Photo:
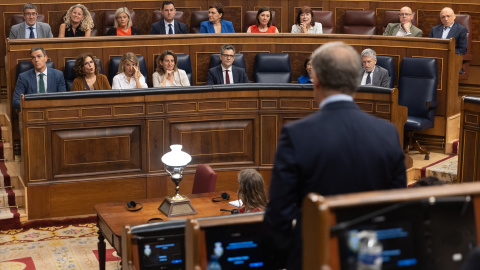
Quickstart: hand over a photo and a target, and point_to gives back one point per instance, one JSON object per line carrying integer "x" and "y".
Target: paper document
{"x": 236, "y": 203}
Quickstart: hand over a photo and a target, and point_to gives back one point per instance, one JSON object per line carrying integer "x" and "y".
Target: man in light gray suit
{"x": 404, "y": 28}
{"x": 371, "y": 73}
{"x": 30, "y": 28}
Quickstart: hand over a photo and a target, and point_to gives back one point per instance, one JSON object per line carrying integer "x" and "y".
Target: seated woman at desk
{"x": 305, "y": 22}
{"x": 168, "y": 74}
{"x": 264, "y": 22}
{"x": 215, "y": 23}
{"x": 129, "y": 75}
{"x": 86, "y": 68}
{"x": 123, "y": 24}
{"x": 77, "y": 22}
{"x": 307, "y": 78}
{"x": 251, "y": 190}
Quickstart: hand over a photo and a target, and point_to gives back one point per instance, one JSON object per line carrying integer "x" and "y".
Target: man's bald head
{"x": 447, "y": 16}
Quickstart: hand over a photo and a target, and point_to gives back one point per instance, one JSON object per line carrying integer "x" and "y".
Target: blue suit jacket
{"x": 215, "y": 75}
{"x": 458, "y": 31}
{"x": 27, "y": 84}
{"x": 207, "y": 27}
{"x": 158, "y": 28}
{"x": 338, "y": 149}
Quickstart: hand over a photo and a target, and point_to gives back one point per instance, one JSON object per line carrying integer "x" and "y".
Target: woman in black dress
{"x": 77, "y": 22}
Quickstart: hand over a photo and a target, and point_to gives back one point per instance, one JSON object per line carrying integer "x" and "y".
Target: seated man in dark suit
{"x": 449, "y": 29}
{"x": 39, "y": 79}
{"x": 338, "y": 149}
{"x": 371, "y": 73}
{"x": 226, "y": 73}
{"x": 168, "y": 25}
{"x": 30, "y": 28}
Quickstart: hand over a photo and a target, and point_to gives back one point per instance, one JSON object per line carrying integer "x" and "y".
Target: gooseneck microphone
{"x": 233, "y": 211}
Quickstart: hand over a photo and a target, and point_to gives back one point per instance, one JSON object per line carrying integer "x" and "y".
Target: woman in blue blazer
{"x": 215, "y": 24}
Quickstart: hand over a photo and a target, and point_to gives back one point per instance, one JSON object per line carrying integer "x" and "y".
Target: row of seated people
{"x": 225, "y": 68}
{"x": 78, "y": 21}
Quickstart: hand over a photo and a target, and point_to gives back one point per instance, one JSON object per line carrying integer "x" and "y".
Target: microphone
{"x": 233, "y": 211}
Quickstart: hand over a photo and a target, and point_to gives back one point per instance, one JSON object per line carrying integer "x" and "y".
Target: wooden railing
{"x": 100, "y": 146}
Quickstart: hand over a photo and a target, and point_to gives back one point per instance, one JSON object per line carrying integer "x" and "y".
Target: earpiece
{"x": 233, "y": 211}
{"x": 225, "y": 196}
{"x": 131, "y": 206}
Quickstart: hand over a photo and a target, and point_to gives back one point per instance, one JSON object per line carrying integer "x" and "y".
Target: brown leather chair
{"x": 109, "y": 20}
{"x": 94, "y": 29}
{"x": 465, "y": 20}
{"x": 326, "y": 19}
{"x": 391, "y": 16}
{"x": 157, "y": 16}
{"x": 251, "y": 19}
{"x": 205, "y": 179}
{"x": 198, "y": 16}
{"x": 360, "y": 22}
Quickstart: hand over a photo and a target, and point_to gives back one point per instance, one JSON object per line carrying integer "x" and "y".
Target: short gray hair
{"x": 34, "y": 49}
{"x": 29, "y": 6}
{"x": 227, "y": 47}
{"x": 336, "y": 65}
{"x": 369, "y": 53}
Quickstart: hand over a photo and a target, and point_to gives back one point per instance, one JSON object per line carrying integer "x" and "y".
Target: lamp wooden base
{"x": 172, "y": 208}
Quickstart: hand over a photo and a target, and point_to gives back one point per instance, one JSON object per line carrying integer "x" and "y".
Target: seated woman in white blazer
{"x": 168, "y": 74}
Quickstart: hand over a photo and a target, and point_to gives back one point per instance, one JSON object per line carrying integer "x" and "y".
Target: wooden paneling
{"x": 230, "y": 128}
{"x": 468, "y": 156}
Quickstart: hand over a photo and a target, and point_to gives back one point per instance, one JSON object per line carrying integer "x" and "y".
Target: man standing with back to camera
{"x": 338, "y": 149}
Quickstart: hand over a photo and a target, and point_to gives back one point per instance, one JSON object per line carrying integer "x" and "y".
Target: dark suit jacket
{"x": 158, "y": 28}
{"x": 380, "y": 77}
{"x": 27, "y": 84}
{"x": 43, "y": 31}
{"x": 207, "y": 27}
{"x": 215, "y": 75}
{"x": 338, "y": 149}
{"x": 458, "y": 31}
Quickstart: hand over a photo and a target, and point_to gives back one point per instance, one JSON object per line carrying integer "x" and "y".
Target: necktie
{"x": 227, "y": 78}
{"x": 369, "y": 79}
{"x": 32, "y": 35}
{"x": 41, "y": 83}
{"x": 170, "y": 30}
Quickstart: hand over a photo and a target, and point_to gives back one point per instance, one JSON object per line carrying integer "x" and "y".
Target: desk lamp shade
{"x": 177, "y": 205}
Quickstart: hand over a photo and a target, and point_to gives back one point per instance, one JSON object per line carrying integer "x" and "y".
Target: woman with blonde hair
{"x": 168, "y": 74}
{"x": 123, "y": 24}
{"x": 77, "y": 22}
{"x": 129, "y": 75}
{"x": 251, "y": 190}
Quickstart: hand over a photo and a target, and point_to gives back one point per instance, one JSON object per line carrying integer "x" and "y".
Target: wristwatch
{"x": 408, "y": 33}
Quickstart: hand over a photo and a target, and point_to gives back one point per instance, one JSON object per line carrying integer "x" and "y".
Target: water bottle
{"x": 369, "y": 251}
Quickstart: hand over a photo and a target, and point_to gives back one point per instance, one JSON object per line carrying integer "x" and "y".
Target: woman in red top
{"x": 264, "y": 22}
{"x": 251, "y": 190}
{"x": 123, "y": 24}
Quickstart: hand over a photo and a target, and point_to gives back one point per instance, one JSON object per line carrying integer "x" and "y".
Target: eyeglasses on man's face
{"x": 228, "y": 55}
{"x": 404, "y": 14}
{"x": 30, "y": 14}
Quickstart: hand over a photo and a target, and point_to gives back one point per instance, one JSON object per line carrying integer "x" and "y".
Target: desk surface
{"x": 116, "y": 216}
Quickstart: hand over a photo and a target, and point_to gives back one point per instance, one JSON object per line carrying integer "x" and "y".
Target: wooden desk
{"x": 112, "y": 217}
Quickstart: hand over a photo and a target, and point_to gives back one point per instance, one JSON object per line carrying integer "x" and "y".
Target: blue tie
{"x": 170, "y": 30}
{"x": 32, "y": 35}
{"x": 369, "y": 79}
